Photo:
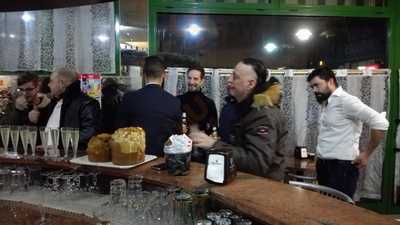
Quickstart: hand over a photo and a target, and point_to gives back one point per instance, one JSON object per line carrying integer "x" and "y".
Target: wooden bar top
{"x": 266, "y": 201}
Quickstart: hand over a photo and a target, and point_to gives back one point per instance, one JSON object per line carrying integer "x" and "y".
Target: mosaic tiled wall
{"x": 80, "y": 37}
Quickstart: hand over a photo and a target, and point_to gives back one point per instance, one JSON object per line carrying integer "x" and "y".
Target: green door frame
{"x": 278, "y": 7}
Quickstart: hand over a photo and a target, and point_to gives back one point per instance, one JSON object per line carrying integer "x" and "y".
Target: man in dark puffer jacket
{"x": 258, "y": 136}
{"x": 71, "y": 107}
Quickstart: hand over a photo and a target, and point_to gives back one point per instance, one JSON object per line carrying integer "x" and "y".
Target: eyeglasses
{"x": 26, "y": 89}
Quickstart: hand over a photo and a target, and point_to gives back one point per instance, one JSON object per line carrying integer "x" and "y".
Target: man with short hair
{"x": 155, "y": 110}
{"x": 71, "y": 107}
{"x": 200, "y": 110}
{"x": 258, "y": 137}
{"x": 30, "y": 105}
{"x": 340, "y": 125}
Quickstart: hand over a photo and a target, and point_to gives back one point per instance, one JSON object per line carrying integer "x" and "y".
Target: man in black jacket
{"x": 155, "y": 110}
{"x": 200, "y": 109}
{"x": 70, "y": 107}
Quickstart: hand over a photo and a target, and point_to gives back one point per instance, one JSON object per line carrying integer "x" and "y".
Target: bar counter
{"x": 264, "y": 200}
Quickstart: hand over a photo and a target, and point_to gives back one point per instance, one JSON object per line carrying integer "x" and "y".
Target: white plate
{"x": 85, "y": 161}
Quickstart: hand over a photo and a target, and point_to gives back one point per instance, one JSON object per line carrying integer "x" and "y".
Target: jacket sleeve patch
{"x": 262, "y": 131}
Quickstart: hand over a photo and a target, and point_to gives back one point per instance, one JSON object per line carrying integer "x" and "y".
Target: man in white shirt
{"x": 340, "y": 125}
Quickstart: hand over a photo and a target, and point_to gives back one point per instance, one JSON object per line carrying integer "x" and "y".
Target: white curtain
{"x": 80, "y": 37}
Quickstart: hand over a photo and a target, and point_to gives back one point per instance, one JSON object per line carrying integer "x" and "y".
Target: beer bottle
{"x": 214, "y": 133}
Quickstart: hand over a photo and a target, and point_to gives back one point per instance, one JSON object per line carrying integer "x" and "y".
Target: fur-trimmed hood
{"x": 268, "y": 98}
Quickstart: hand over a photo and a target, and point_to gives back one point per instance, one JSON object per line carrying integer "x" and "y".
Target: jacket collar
{"x": 268, "y": 98}
{"x": 72, "y": 92}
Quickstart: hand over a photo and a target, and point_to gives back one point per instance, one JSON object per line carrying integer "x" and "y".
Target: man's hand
{"x": 361, "y": 161}
{"x": 3, "y": 103}
{"x": 21, "y": 103}
{"x": 202, "y": 140}
{"x": 34, "y": 115}
{"x": 44, "y": 100}
{"x": 376, "y": 137}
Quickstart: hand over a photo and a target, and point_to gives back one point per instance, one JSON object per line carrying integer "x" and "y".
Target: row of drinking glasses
{"x": 224, "y": 217}
{"x": 62, "y": 184}
{"x": 129, "y": 204}
{"x": 14, "y": 179}
{"x": 48, "y": 136}
{"x": 28, "y": 135}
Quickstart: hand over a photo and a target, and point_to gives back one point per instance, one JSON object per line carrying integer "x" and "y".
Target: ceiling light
{"x": 12, "y": 35}
{"x": 303, "y": 34}
{"x": 194, "y": 29}
{"x": 27, "y": 17}
{"x": 270, "y": 47}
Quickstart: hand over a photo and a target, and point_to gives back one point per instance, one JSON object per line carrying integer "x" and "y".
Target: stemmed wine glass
{"x": 75, "y": 140}
{"x": 65, "y": 138}
{"x": 14, "y": 131}
{"x": 55, "y": 138}
{"x": 24, "y": 133}
{"x": 5, "y": 137}
{"x": 44, "y": 137}
{"x": 32, "y": 140}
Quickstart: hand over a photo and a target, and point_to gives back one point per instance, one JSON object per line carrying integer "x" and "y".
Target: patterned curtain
{"x": 80, "y": 37}
{"x": 302, "y": 110}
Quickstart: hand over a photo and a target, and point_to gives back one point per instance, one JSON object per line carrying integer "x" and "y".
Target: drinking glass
{"x": 184, "y": 208}
{"x": 117, "y": 191}
{"x": 24, "y": 133}
{"x": 18, "y": 180}
{"x": 44, "y": 137}
{"x": 244, "y": 222}
{"x": 55, "y": 138}
{"x": 14, "y": 131}
{"x": 235, "y": 218}
{"x": 203, "y": 222}
{"x": 223, "y": 221}
{"x": 92, "y": 185}
{"x": 5, "y": 136}
{"x": 213, "y": 216}
{"x": 65, "y": 138}
{"x": 33, "y": 139}
{"x": 75, "y": 140}
{"x": 226, "y": 213}
{"x": 200, "y": 202}
{"x": 3, "y": 179}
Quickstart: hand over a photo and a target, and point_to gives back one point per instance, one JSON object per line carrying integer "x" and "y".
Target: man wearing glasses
{"x": 29, "y": 104}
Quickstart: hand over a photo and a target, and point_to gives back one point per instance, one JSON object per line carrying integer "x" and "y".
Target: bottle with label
{"x": 185, "y": 128}
{"x": 301, "y": 152}
{"x": 220, "y": 167}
